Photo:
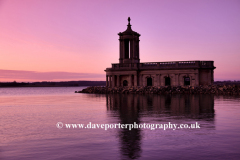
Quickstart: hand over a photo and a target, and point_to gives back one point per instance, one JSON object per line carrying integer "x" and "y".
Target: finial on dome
{"x": 129, "y": 19}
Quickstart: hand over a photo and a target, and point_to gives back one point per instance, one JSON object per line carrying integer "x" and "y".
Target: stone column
{"x": 113, "y": 81}
{"x": 155, "y": 80}
{"x": 140, "y": 80}
{"x": 120, "y": 52}
{"x": 159, "y": 80}
{"x": 110, "y": 81}
{"x": 118, "y": 81}
{"x": 121, "y": 55}
{"x": 133, "y": 50}
{"x": 191, "y": 82}
{"x": 196, "y": 79}
{"x": 181, "y": 81}
{"x": 212, "y": 76}
{"x": 130, "y": 81}
{"x": 144, "y": 81}
{"x": 135, "y": 80}
{"x": 209, "y": 77}
{"x": 177, "y": 81}
{"x": 130, "y": 49}
{"x": 106, "y": 81}
{"x": 162, "y": 80}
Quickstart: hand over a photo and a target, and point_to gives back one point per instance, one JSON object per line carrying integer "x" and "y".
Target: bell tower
{"x": 129, "y": 45}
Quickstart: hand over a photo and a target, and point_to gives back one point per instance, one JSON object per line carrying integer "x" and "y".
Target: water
{"x": 28, "y": 129}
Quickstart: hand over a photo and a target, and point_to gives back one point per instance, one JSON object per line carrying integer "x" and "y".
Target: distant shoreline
{"x": 79, "y": 84}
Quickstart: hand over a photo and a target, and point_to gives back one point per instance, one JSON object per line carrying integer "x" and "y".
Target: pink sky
{"x": 74, "y": 38}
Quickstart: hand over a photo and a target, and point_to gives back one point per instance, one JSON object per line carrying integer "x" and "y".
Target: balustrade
{"x": 162, "y": 65}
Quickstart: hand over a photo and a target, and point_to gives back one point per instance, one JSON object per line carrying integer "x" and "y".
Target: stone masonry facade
{"x": 130, "y": 72}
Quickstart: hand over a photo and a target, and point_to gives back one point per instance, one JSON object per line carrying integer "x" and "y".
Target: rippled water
{"x": 28, "y": 129}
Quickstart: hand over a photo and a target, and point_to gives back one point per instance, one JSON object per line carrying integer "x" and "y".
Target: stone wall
{"x": 139, "y": 78}
{"x": 210, "y": 89}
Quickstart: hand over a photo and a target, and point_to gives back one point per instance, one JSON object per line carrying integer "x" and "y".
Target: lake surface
{"x": 29, "y": 116}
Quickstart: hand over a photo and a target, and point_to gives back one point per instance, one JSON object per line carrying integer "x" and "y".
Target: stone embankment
{"x": 211, "y": 89}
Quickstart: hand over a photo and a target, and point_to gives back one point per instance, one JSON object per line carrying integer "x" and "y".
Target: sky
{"x": 61, "y": 40}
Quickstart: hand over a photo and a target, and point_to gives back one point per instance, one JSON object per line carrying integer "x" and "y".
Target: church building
{"x": 130, "y": 72}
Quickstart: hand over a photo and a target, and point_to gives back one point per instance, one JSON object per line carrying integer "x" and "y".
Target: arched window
{"x": 186, "y": 81}
{"x": 149, "y": 81}
{"x": 167, "y": 81}
{"x": 125, "y": 83}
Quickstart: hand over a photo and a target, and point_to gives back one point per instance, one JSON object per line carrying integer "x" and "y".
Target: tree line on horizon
{"x": 52, "y": 84}
{"x": 79, "y": 83}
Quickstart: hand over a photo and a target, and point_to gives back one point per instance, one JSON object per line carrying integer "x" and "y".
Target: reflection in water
{"x": 131, "y": 108}
{"x": 128, "y": 108}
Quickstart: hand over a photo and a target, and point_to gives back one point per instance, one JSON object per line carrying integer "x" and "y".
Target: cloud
{"x": 21, "y": 75}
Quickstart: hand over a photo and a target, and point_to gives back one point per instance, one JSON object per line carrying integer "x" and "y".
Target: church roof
{"x": 129, "y": 30}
